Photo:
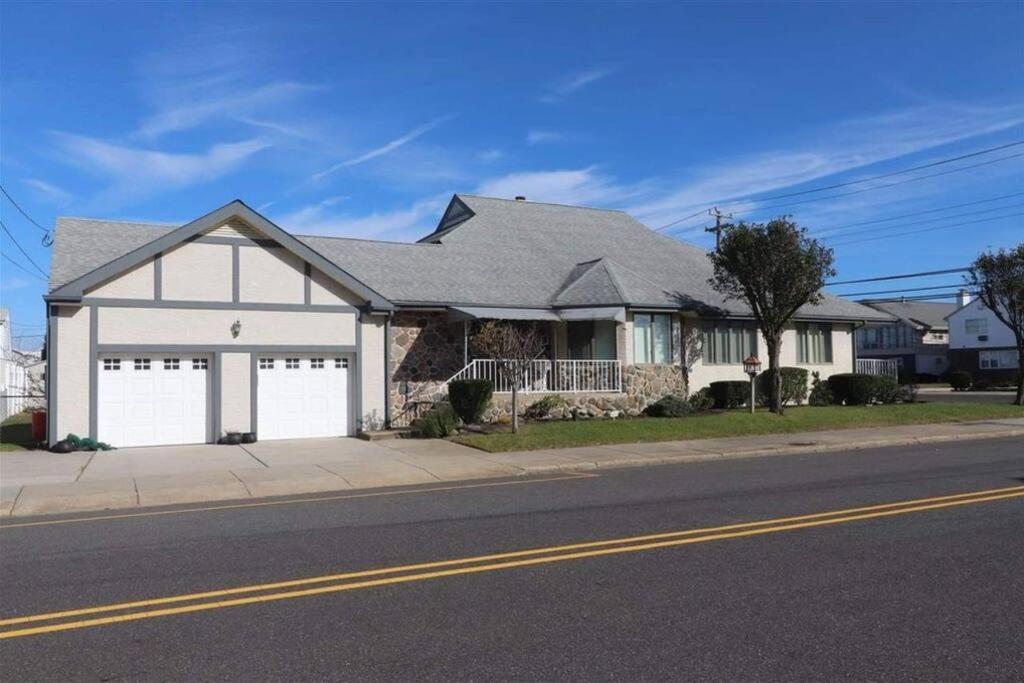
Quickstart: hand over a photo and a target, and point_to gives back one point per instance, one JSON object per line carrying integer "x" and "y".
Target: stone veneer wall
{"x": 425, "y": 350}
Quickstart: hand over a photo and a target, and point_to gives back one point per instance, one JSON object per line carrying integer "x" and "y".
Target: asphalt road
{"x": 928, "y": 591}
{"x": 950, "y": 396}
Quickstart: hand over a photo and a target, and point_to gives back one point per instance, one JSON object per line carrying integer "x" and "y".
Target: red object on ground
{"x": 39, "y": 425}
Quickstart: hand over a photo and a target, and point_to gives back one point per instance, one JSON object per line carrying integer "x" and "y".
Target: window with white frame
{"x": 291, "y": 363}
{"x": 142, "y": 363}
{"x": 976, "y": 326}
{"x": 266, "y": 363}
{"x": 998, "y": 359}
{"x": 172, "y": 363}
{"x": 728, "y": 341}
{"x": 200, "y": 363}
{"x": 316, "y": 363}
{"x": 813, "y": 343}
{"x": 652, "y": 338}
{"x": 111, "y": 363}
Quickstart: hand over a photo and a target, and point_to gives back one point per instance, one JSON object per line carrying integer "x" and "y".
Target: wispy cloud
{"x": 583, "y": 186}
{"x": 135, "y": 172}
{"x": 489, "y": 155}
{"x": 406, "y": 223}
{"x": 539, "y": 137}
{"x": 49, "y": 192}
{"x": 572, "y": 83}
{"x": 383, "y": 149}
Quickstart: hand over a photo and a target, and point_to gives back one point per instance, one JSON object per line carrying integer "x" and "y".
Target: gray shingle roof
{"x": 917, "y": 313}
{"x": 508, "y": 253}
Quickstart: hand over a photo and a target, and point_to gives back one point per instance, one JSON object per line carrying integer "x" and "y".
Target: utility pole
{"x": 719, "y": 226}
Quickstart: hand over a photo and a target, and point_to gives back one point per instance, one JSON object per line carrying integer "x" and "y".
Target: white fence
{"x": 549, "y": 376}
{"x": 874, "y": 366}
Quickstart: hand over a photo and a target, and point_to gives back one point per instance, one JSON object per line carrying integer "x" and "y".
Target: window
{"x": 997, "y": 360}
{"x": 111, "y": 363}
{"x": 976, "y": 326}
{"x": 142, "y": 364}
{"x": 316, "y": 363}
{"x": 591, "y": 339}
{"x": 814, "y": 343}
{"x": 266, "y": 363}
{"x": 200, "y": 363}
{"x": 729, "y": 341}
{"x": 652, "y": 338}
{"x": 172, "y": 363}
{"x": 341, "y": 362}
{"x": 291, "y": 363}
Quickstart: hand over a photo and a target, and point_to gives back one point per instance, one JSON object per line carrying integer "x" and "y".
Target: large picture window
{"x": 997, "y": 360}
{"x": 729, "y": 341}
{"x": 813, "y": 343}
{"x": 652, "y": 338}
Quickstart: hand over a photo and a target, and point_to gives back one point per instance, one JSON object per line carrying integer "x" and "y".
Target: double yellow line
{"x": 336, "y": 583}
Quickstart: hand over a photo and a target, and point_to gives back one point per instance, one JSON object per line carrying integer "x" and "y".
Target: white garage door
{"x": 301, "y": 396}
{"x": 155, "y": 399}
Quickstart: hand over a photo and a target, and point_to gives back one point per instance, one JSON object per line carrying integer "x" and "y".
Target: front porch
{"x": 550, "y": 376}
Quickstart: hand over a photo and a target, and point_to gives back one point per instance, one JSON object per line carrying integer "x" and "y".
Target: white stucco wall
{"x": 72, "y": 371}
{"x": 325, "y": 291}
{"x": 273, "y": 276}
{"x": 199, "y": 326}
{"x": 136, "y": 283}
{"x": 373, "y": 381}
{"x": 197, "y": 272}
{"x": 236, "y": 376}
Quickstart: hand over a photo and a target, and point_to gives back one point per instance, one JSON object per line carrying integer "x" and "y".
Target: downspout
{"x": 387, "y": 370}
{"x": 853, "y": 341}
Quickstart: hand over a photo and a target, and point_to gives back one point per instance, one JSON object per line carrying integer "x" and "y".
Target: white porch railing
{"x": 876, "y": 366}
{"x": 550, "y": 376}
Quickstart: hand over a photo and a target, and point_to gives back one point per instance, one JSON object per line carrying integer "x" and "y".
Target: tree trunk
{"x": 515, "y": 408}
{"x": 1020, "y": 371}
{"x": 775, "y": 372}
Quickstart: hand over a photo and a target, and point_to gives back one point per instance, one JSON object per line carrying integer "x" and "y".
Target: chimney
{"x": 963, "y": 298}
{"x": 520, "y": 198}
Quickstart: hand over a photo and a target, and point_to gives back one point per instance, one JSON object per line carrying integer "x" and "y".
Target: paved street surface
{"x": 921, "y": 590}
{"x": 947, "y": 395}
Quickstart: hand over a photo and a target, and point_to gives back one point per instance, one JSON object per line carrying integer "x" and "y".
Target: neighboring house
{"x": 162, "y": 334}
{"x": 981, "y": 344}
{"x": 918, "y": 339}
{"x": 13, "y": 373}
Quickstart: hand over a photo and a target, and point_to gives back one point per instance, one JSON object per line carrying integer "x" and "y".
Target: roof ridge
{"x": 632, "y": 272}
{"x": 528, "y": 201}
{"x": 366, "y": 239}
{"x": 155, "y": 224}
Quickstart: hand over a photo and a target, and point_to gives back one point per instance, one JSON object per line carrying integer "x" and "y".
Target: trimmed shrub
{"x": 470, "y": 398}
{"x": 794, "y": 386}
{"x": 668, "y": 406}
{"x": 729, "y": 394}
{"x": 909, "y": 393}
{"x": 439, "y": 422}
{"x": 960, "y": 380}
{"x": 700, "y": 400}
{"x": 542, "y": 408}
{"x": 820, "y": 395}
{"x": 853, "y": 388}
{"x": 888, "y": 390}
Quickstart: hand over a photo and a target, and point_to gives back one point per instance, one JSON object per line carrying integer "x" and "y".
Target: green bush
{"x": 960, "y": 380}
{"x": 888, "y": 390}
{"x": 729, "y": 394}
{"x": 853, "y": 388}
{"x": 668, "y": 406}
{"x": 794, "y": 386}
{"x": 700, "y": 400}
{"x": 439, "y": 422}
{"x": 820, "y": 395}
{"x": 470, "y": 398}
{"x": 541, "y": 409}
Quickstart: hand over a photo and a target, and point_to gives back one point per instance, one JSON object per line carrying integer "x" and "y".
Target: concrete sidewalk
{"x": 38, "y": 482}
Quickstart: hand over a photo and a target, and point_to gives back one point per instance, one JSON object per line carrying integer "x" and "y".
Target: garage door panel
{"x": 300, "y": 396}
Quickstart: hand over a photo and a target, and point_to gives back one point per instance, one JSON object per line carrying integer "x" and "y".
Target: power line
{"x": 923, "y": 297}
{"x": 895, "y": 291}
{"x": 680, "y": 220}
{"x": 919, "y": 213}
{"x": 23, "y": 268}
{"x": 926, "y": 220}
{"x": 916, "y": 232}
{"x": 899, "y": 277}
{"x": 25, "y": 253}
{"x": 23, "y": 212}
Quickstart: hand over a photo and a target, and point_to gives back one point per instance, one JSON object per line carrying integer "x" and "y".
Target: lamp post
{"x": 752, "y": 366}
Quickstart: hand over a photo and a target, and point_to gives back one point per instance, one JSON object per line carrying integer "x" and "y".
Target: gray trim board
{"x": 217, "y": 417}
{"x": 94, "y": 327}
{"x": 307, "y": 291}
{"x": 236, "y": 208}
{"x": 226, "y": 348}
{"x": 358, "y": 397}
{"x": 253, "y": 395}
{"x": 235, "y": 274}
{"x": 235, "y": 241}
{"x": 51, "y": 374}
{"x": 387, "y": 372}
{"x": 158, "y": 276}
{"x": 218, "y": 305}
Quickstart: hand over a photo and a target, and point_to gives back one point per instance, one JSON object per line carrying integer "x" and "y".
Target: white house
{"x": 162, "y": 334}
{"x": 13, "y": 371}
{"x": 981, "y": 344}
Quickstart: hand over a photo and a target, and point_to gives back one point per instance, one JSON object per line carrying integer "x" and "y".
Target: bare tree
{"x": 693, "y": 348}
{"x": 998, "y": 279}
{"x": 776, "y": 269}
{"x": 513, "y": 348}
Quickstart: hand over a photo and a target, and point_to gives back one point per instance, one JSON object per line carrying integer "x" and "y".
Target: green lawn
{"x": 537, "y": 435}
{"x": 16, "y": 433}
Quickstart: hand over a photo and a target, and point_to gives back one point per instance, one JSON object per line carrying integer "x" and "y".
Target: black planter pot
{"x": 248, "y": 437}
{"x": 230, "y": 439}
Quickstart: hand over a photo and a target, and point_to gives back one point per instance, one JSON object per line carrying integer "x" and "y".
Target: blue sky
{"x": 361, "y": 120}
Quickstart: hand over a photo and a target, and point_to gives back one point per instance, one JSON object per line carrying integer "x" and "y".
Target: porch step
{"x": 385, "y": 434}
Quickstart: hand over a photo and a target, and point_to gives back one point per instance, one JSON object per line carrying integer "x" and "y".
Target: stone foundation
{"x": 425, "y": 350}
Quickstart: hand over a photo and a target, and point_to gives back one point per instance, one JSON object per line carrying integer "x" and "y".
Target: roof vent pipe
{"x": 520, "y": 198}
